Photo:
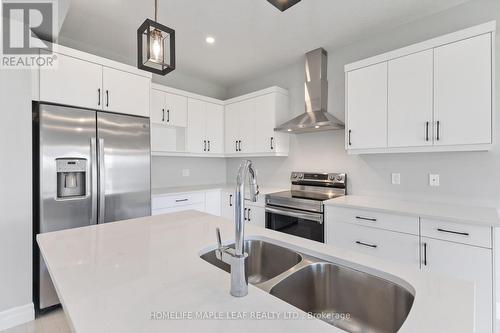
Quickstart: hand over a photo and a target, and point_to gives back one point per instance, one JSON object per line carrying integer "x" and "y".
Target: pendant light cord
{"x": 156, "y": 10}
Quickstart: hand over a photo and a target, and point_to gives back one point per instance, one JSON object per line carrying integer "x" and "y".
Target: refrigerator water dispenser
{"x": 71, "y": 177}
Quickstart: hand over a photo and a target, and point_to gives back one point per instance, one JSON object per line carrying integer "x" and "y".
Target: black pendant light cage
{"x": 145, "y": 60}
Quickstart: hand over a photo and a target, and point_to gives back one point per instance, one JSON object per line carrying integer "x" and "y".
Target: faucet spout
{"x": 237, "y": 257}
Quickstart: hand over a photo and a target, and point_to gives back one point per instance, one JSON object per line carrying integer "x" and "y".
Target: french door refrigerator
{"x": 89, "y": 167}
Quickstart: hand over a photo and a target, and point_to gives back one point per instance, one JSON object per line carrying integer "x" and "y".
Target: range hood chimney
{"x": 316, "y": 118}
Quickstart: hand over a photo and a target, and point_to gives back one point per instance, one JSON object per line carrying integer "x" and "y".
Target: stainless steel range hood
{"x": 316, "y": 118}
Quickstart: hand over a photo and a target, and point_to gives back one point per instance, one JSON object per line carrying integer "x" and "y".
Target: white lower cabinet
{"x": 461, "y": 251}
{"x": 208, "y": 202}
{"x": 469, "y": 263}
{"x": 227, "y": 204}
{"x": 403, "y": 248}
{"x": 212, "y": 202}
{"x": 256, "y": 215}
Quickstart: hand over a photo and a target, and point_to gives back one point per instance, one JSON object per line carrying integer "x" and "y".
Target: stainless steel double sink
{"x": 347, "y": 298}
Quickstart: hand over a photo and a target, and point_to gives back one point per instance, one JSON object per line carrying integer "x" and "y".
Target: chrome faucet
{"x": 236, "y": 257}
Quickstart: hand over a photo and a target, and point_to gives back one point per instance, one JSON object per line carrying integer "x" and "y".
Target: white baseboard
{"x": 17, "y": 316}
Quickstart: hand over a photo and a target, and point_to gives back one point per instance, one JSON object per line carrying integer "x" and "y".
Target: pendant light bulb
{"x": 156, "y": 46}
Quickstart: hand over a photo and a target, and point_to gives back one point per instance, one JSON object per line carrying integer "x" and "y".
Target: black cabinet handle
{"x": 425, "y": 254}
{"x": 438, "y": 130}
{"x": 272, "y": 145}
{"x": 99, "y": 96}
{"x": 426, "y": 131}
{"x": 208, "y": 145}
{"x": 349, "y": 138}
{"x": 204, "y": 145}
{"x": 371, "y": 219}
{"x": 453, "y": 232}
{"x": 248, "y": 215}
{"x": 168, "y": 115}
{"x": 239, "y": 145}
{"x": 373, "y": 246}
{"x": 107, "y": 98}
{"x": 245, "y": 214}
{"x": 181, "y": 200}
{"x": 236, "y": 145}
{"x": 162, "y": 114}
{"x": 230, "y": 200}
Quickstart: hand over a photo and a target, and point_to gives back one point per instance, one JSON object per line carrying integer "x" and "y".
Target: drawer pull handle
{"x": 371, "y": 219}
{"x": 453, "y": 232}
{"x": 181, "y": 200}
{"x": 366, "y": 244}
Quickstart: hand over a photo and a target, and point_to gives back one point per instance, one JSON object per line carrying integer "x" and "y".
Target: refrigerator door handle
{"x": 93, "y": 179}
{"x": 102, "y": 180}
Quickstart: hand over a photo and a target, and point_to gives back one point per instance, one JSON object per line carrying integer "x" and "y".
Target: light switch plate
{"x": 185, "y": 172}
{"x": 396, "y": 178}
{"x": 433, "y": 179}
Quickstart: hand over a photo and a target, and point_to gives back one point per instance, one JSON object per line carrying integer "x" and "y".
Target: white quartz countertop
{"x": 158, "y": 192}
{"x": 487, "y": 216}
{"x": 112, "y": 277}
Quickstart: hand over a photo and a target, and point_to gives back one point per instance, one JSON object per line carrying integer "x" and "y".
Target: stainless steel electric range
{"x": 300, "y": 211}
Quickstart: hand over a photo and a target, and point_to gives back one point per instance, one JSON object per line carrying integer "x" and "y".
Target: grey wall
{"x": 471, "y": 177}
{"x": 167, "y": 171}
{"x": 15, "y": 191}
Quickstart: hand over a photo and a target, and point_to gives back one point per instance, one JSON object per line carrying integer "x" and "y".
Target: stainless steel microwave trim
{"x": 316, "y": 118}
{"x": 310, "y": 216}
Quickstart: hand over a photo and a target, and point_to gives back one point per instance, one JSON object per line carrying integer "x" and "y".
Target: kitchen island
{"x": 146, "y": 275}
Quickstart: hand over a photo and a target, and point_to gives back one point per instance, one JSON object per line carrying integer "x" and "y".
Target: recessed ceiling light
{"x": 210, "y": 40}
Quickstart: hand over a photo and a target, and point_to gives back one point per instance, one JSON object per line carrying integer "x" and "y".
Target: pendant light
{"x": 155, "y": 46}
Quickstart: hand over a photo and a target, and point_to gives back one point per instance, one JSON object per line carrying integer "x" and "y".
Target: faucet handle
{"x": 217, "y": 234}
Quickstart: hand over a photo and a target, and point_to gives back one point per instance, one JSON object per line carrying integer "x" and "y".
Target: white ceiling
{"x": 252, "y": 37}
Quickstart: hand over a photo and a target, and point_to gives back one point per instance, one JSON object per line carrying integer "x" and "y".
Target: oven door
{"x": 296, "y": 222}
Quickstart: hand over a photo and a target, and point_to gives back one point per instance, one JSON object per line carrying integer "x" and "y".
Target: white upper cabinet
{"x": 168, "y": 109}
{"x": 367, "y": 107}
{"x": 214, "y": 128}
{"x": 175, "y": 110}
{"x": 250, "y": 121}
{"x": 83, "y": 80}
{"x": 125, "y": 92}
{"x": 74, "y": 82}
{"x": 410, "y": 100}
{"x": 205, "y": 129}
{"x": 435, "y": 96}
{"x": 462, "y": 86}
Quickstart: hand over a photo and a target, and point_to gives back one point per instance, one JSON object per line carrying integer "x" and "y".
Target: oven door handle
{"x": 318, "y": 218}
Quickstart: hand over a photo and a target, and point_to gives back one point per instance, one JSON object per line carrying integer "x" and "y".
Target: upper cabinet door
{"x": 196, "y": 134}
{"x": 125, "y": 92}
{"x": 214, "y": 128}
{"x": 158, "y": 115}
{"x": 265, "y": 107}
{"x": 246, "y": 125}
{"x": 462, "y": 92}
{"x": 176, "y": 110}
{"x": 232, "y": 130}
{"x": 410, "y": 100}
{"x": 367, "y": 107}
{"x": 74, "y": 82}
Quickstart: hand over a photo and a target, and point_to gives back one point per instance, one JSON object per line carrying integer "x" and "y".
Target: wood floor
{"x": 51, "y": 322}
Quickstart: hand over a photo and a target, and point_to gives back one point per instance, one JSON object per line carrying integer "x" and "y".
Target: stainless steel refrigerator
{"x": 89, "y": 167}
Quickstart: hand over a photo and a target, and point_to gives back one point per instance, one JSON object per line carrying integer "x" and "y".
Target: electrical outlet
{"x": 396, "y": 178}
{"x": 185, "y": 172}
{"x": 433, "y": 179}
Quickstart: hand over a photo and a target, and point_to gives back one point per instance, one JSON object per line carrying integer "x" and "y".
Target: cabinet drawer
{"x": 178, "y": 200}
{"x": 199, "y": 207}
{"x": 398, "y": 223}
{"x": 456, "y": 232}
{"x": 388, "y": 245}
